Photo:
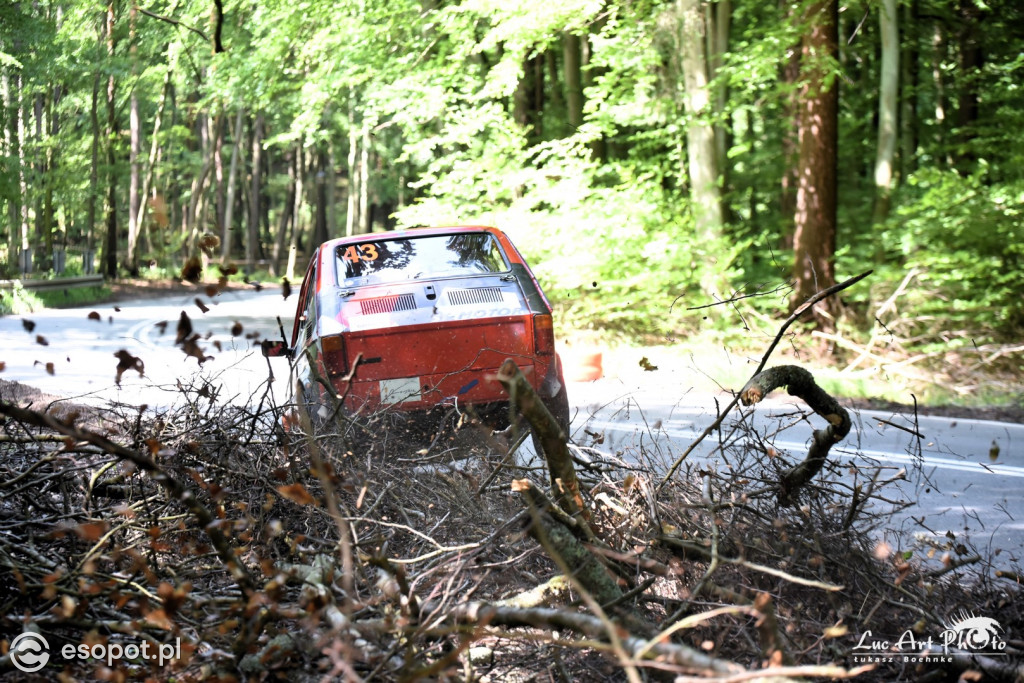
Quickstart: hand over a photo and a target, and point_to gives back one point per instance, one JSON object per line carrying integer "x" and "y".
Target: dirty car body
{"x": 408, "y": 321}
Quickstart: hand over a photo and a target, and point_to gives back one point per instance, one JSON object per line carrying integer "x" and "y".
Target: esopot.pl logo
{"x": 29, "y": 652}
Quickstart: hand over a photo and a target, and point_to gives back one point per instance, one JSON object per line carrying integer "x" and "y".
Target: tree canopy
{"x": 642, "y": 152}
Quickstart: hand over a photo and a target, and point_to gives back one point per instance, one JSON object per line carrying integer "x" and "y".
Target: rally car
{"x": 411, "y": 320}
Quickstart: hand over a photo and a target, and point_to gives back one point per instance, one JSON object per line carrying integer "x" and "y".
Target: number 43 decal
{"x": 361, "y": 252}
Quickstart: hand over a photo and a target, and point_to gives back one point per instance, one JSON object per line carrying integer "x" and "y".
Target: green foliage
{"x": 964, "y": 238}
{"x": 19, "y": 301}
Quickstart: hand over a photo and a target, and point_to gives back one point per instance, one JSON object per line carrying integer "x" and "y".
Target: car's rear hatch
{"x": 418, "y": 344}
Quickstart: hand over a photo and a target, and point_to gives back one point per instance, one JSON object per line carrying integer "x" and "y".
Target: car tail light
{"x": 334, "y": 355}
{"x": 543, "y": 335}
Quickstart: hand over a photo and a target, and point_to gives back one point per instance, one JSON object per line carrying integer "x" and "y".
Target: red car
{"x": 415, "y": 319}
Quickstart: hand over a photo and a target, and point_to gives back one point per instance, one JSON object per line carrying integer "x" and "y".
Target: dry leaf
{"x": 162, "y": 326}
{"x": 41, "y": 340}
{"x": 202, "y": 307}
{"x": 28, "y": 325}
{"x": 236, "y": 329}
{"x": 212, "y": 290}
{"x": 286, "y": 288}
{"x": 191, "y": 348}
{"x": 184, "y": 328}
{"x": 94, "y": 315}
{"x": 192, "y": 271}
{"x": 125, "y": 362}
{"x": 91, "y": 531}
{"x": 296, "y": 493}
{"x": 208, "y": 242}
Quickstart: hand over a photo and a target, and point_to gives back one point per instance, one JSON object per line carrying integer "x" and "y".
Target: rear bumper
{"x": 409, "y": 394}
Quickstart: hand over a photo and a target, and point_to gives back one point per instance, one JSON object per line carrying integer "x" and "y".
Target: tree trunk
{"x": 110, "y": 246}
{"x": 971, "y": 60}
{"x": 705, "y": 198}
{"x": 352, "y": 204}
{"x": 94, "y": 167}
{"x": 888, "y": 102}
{"x": 320, "y": 232}
{"x": 790, "y": 144}
{"x": 135, "y": 227}
{"x": 253, "y": 230}
{"x": 287, "y": 210}
{"x": 229, "y": 201}
{"x": 135, "y": 151}
{"x": 573, "y": 80}
{"x": 297, "y": 222}
{"x": 718, "y": 45}
{"x": 364, "y": 180}
{"x": 814, "y": 241}
{"x": 908, "y": 96}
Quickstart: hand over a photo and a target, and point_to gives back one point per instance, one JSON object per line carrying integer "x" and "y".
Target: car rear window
{"x": 411, "y": 258}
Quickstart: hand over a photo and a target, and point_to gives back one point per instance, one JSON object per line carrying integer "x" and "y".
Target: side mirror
{"x": 275, "y": 349}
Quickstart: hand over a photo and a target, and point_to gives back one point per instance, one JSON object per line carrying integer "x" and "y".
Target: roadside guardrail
{"x": 59, "y": 283}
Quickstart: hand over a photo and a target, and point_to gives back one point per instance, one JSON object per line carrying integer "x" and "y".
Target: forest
{"x": 668, "y": 167}
{"x": 700, "y": 152}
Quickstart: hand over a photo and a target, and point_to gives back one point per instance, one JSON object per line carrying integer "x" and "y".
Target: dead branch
{"x": 225, "y": 549}
{"x": 565, "y": 486}
{"x": 801, "y": 384}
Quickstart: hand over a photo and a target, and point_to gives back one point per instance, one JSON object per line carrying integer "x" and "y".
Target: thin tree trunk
{"x": 706, "y": 202}
{"x": 888, "y": 104}
{"x": 573, "y": 80}
{"x": 286, "y": 214}
{"x": 297, "y": 222}
{"x": 353, "y": 178}
{"x": 147, "y": 178}
{"x": 720, "y": 17}
{"x": 814, "y": 241}
{"x": 253, "y": 230}
{"x": 229, "y": 200}
{"x": 320, "y": 234}
{"x": 364, "y": 178}
{"x": 908, "y": 96}
{"x": 110, "y": 246}
{"x": 94, "y": 168}
{"x": 135, "y": 131}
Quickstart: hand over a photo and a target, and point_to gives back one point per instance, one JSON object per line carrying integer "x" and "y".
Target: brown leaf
{"x": 184, "y": 328}
{"x": 49, "y": 366}
{"x": 162, "y": 326}
{"x": 125, "y": 362}
{"x": 229, "y": 269}
{"x": 117, "y": 309}
{"x": 296, "y": 493}
{"x": 236, "y": 329}
{"x": 3, "y": 366}
{"x": 202, "y": 307}
{"x": 258, "y": 286}
{"x": 159, "y": 619}
{"x": 286, "y": 288}
{"x": 153, "y": 445}
{"x": 192, "y": 271}
{"x": 41, "y": 340}
{"x": 212, "y": 290}
{"x": 216, "y": 345}
{"x": 91, "y": 531}
{"x": 191, "y": 348}
{"x": 94, "y": 315}
{"x": 28, "y": 325}
{"x": 647, "y": 365}
{"x": 208, "y": 242}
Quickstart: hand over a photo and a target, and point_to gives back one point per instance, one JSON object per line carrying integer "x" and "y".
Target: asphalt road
{"x": 957, "y": 484}
{"x": 964, "y": 476}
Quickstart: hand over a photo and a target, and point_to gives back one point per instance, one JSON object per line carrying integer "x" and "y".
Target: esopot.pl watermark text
{"x": 30, "y": 652}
